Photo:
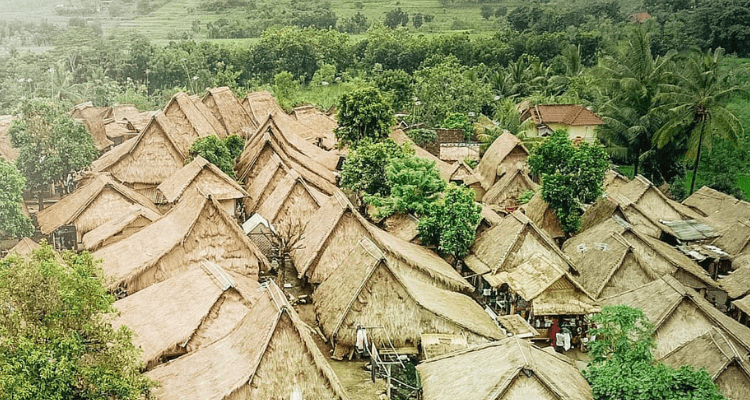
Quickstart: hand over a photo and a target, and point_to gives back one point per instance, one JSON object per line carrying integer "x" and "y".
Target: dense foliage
{"x": 12, "y": 220}
{"x": 219, "y": 152}
{"x": 622, "y": 365}
{"x": 450, "y": 223}
{"x": 363, "y": 113}
{"x": 364, "y": 170}
{"x": 572, "y": 175}
{"x": 57, "y": 339}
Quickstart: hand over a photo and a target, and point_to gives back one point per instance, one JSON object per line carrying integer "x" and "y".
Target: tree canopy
{"x": 364, "y": 170}
{"x": 12, "y": 220}
{"x": 363, "y": 113}
{"x": 219, "y": 152}
{"x": 451, "y": 222}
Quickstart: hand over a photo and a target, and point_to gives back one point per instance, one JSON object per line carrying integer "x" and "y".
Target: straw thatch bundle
{"x": 267, "y": 356}
{"x": 737, "y": 283}
{"x": 403, "y": 226}
{"x": 680, "y": 314}
{"x": 267, "y": 142}
{"x": 149, "y": 158}
{"x": 323, "y": 125}
{"x": 505, "y": 151}
{"x": 506, "y": 191}
{"x": 446, "y": 170}
{"x": 609, "y": 265}
{"x": 205, "y": 177}
{"x": 23, "y": 248}
{"x": 365, "y": 290}
{"x": 332, "y": 233}
{"x": 100, "y": 201}
{"x": 91, "y": 118}
{"x": 507, "y": 369}
{"x": 613, "y": 180}
{"x": 229, "y": 112}
{"x": 722, "y": 208}
{"x": 195, "y": 230}
{"x": 542, "y": 215}
{"x": 734, "y": 239}
{"x": 186, "y": 312}
{"x": 122, "y": 227}
{"x": 291, "y": 201}
{"x": 715, "y": 352}
{"x": 192, "y": 118}
{"x": 7, "y": 152}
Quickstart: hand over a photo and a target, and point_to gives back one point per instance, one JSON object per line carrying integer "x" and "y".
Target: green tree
{"x": 486, "y": 11}
{"x": 51, "y": 145}
{"x": 396, "y": 17}
{"x": 364, "y": 170}
{"x": 58, "y": 342}
{"x": 451, "y": 222}
{"x": 219, "y": 152}
{"x": 696, "y": 107}
{"x": 422, "y": 136}
{"x": 363, "y": 113}
{"x": 572, "y": 175}
{"x": 12, "y": 221}
{"x": 417, "y": 20}
{"x": 622, "y": 365}
{"x": 415, "y": 184}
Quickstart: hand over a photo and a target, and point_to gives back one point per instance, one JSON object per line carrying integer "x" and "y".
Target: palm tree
{"x": 696, "y": 105}
{"x": 631, "y": 117}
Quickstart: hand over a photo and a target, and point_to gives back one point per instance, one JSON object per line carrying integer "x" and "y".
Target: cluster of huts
{"x": 194, "y": 257}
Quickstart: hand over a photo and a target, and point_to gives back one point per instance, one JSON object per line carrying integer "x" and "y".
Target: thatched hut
{"x": 23, "y": 248}
{"x": 511, "y": 368}
{"x": 116, "y": 229}
{"x": 261, "y": 104}
{"x": 714, "y": 352}
{"x": 266, "y": 143}
{"x": 523, "y": 271}
{"x": 292, "y": 201}
{"x": 206, "y": 178}
{"x": 543, "y": 216}
{"x": 734, "y": 239}
{"x": 446, "y": 170}
{"x": 737, "y": 283}
{"x": 505, "y": 193}
{"x": 333, "y": 231}
{"x": 91, "y": 118}
{"x": 128, "y": 113}
{"x": 147, "y": 160}
{"x": 365, "y": 291}
{"x": 191, "y": 118}
{"x": 101, "y": 200}
{"x": 679, "y": 315}
{"x": 186, "y": 312}
{"x": 460, "y": 170}
{"x": 321, "y": 124}
{"x": 197, "y": 229}
{"x": 504, "y": 154}
{"x": 641, "y": 192}
{"x": 613, "y": 180}
{"x": 229, "y": 112}
{"x": 269, "y": 355}
{"x": 721, "y": 208}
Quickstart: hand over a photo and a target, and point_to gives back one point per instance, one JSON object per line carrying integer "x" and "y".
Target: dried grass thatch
{"x": 333, "y": 231}
{"x": 23, "y": 248}
{"x": 122, "y": 227}
{"x": 722, "y": 208}
{"x": 737, "y": 283}
{"x": 446, "y": 170}
{"x": 91, "y": 118}
{"x": 100, "y": 201}
{"x": 323, "y": 125}
{"x": 192, "y": 118}
{"x": 197, "y": 229}
{"x": 7, "y": 152}
{"x": 679, "y": 315}
{"x": 202, "y": 176}
{"x": 186, "y": 312}
{"x": 543, "y": 216}
{"x": 504, "y": 152}
{"x": 366, "y": 291}
{"x": 403, "y": 226}
{"x": 515, "y": 325}
{"x": 149, "y": 158}
{"x": 460, "y": 171}
{"x": 229, "y": 112}
{"x": 291, "y": 201}
{"x": 511, "y": 185}
{"x": 270, "y": 354}
{"x": 734, "y": 239}
{"x": 648, "y": 197}
{"x": 436, "y": 344}
{"x": 507, "y": 369}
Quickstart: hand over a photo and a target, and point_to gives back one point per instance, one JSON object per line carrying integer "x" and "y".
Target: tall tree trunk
{"x": 697, "y": 158}
{"x": 635, "y": 164}
{"x": 40, "y": 198}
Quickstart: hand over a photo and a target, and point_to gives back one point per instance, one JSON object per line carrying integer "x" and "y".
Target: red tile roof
{"x": 568, "y": 114}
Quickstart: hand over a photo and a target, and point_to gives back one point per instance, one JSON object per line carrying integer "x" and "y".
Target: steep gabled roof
{"x": 567, "y": 114}
{"x": 712, "y": 351}
{"x": 174, "y": 316}
{"x": 269, "y": 354}
{"x": 91, "y": 117}
{"x": 192, "y": 118}
{"x": 322, "y": 125}
{"x": 510, "y": 368}
{"x": 23, "y": 248}
{"x": 543, "y": 216}
{"x": 510, "y": 179}
{"x": 719, "y": 207}
{"x": 495, "y": 156}
{"x": 208, "y": 178}
{"x": 94, "y": 238}
{"x": 291, "y": 190}
{"x": 737, "y": 283}
{"x": 66, "y": 210}
{"x": 734, "y": 239}
{"x": 229, "y": 112}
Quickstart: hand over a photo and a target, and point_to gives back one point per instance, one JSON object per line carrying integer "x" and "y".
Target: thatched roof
{"x": 205, "y": 177}
{"x": 719, "y": 207}
{"x": 743, "y": 304}
{"x": 186, "y": 312}
{"x": 461, "y": 170}
{"x": 150, "y": 158}
{"x": 712, "y": 351}
{"x": 333, "y": 231}
{"x": 737, "y": 283}
{"x": 613, "y": 180}
{"x": 323, "y": 125}
{"x": 643, "y": 193}
{"x": 192, "y": 118}
{"x": 7, "y": 152}
{"x": 261, "y": 104}
{"x": 23, "y": 248}
{"x": 437, "y": 344}
{"x": 291, "y": 201}
{"x": 270, "y": 354}
{"x": 108, "y": 200}
{"x": 446, "y": 170}
{"x": 403, "y": 226}
{"x": 134, "y": 217}
{"x": 515, "y": 325}
{"x": 679, "y": 314}
{"x": 366, "y": 277}
{"x": 659, "y": 256}
{"x": 507, "y": 190}
{"x": 734, "y": 239}
{"x": 507, "y": 369}
{"x": 119, "y": 130}
{"x": 267, "y": 142}
{"x": 229, "y": 112}
{"x": 504, "y": 152}
{"x": 127, "y": 113}
{"x": 543, "y": 216}
{"x": 91, "y": 117}
{"x": 490, "y": 217}
{"x": 195, "y": 230}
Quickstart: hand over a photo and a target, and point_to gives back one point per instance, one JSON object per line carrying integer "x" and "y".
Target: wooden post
{"x": 388, "y": 369}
